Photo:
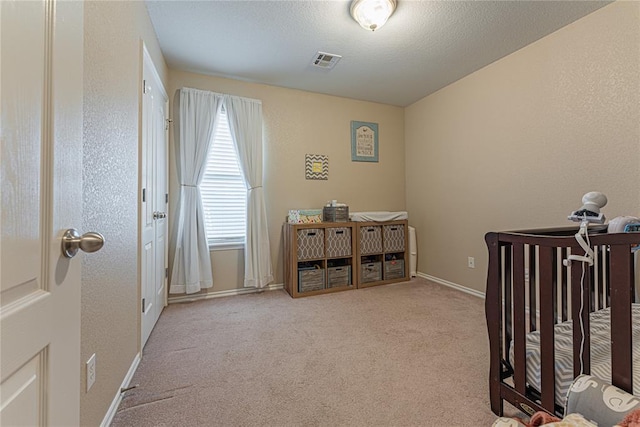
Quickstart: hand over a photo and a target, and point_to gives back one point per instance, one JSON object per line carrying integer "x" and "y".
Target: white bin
{"x": 413, "y": 252}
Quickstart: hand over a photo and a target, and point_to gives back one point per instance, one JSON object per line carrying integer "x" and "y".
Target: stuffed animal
{"x": 631, "y": 420}
{"x": 543, "y": 419}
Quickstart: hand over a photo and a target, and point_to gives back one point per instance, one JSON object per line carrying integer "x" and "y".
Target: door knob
{"x": 159, "y": 215}
{"x": 88, "y": 242}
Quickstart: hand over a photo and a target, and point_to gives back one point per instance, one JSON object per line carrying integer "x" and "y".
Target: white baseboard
{"x": 118, "y": 397}
{"x": 452, "y": 285}
{"x": 227, "y": 293}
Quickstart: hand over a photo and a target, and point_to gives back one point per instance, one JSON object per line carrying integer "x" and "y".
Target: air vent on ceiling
{"x": 325, "y": 60}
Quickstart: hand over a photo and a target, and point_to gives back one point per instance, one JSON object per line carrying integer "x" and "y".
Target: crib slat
{"x": 519, "y": 334}
{"x": 604, "y": 262}
{"x": 547, "y": 258}
{"x": 607, "y": 289}
{"x": 580, "y": 299}
{"x": 508, "y": 307}
{"x": 595, "y": 284}
{"x": 533, "y": 270}
{"x": 554, "y": 286}
{"x": 565, "y": 287}
{"x": 594, "y": 281}
{"x": 602, "y": 277}
{"x": 621, "y": 296}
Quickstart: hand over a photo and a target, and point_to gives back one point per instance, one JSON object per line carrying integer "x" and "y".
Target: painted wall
{"x": 298, "y": 123}
{"x": 110, "y": 295}
{"x": 517, "y": 143}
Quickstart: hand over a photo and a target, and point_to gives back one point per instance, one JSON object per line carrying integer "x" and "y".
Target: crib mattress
{"x": 600, "y": 353}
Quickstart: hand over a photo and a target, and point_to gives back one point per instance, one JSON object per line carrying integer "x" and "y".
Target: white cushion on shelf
{"x": 378, "y": 216}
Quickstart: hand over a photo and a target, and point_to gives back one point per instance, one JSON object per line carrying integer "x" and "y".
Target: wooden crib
{"x": 533, "y": 309}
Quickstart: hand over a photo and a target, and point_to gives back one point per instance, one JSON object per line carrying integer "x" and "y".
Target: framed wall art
{"x": 316, "y": 166}
{"x": 364, "y": 142}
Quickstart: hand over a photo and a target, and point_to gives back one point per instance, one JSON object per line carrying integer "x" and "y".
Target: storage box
{"x": 338, "y": 276}
{"x": 394, "y": 269}
{"x": 310, "y": 243}
{"x": 370, "y": 272}
{"x": 310, "y": 279}
{"x": 394, "y": 238}
{"x": 338, "y": 242}
{"x": 370, "y": 240}
{"x": 335, "y": 213}
{"x": 304, "y": 216}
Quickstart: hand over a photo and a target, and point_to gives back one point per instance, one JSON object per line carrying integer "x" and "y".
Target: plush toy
{"x": 541, "y": 418}
{"x": 631, "y": 420}
{"x": 538, "y": 419}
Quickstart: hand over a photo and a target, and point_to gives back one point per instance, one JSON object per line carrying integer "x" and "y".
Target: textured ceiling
{"x": 424, "y": 46}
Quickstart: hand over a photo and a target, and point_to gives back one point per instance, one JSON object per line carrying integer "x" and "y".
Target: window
{"x": 223, "y": 191}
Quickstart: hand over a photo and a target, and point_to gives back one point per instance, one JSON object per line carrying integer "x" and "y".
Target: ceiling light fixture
{"x": 372, "y": 14}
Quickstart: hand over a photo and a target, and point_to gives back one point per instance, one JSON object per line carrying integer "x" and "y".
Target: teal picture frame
{"x": 364, "y": 142}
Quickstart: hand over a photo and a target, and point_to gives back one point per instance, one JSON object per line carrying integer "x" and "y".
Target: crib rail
{"x": 530, "y": 289}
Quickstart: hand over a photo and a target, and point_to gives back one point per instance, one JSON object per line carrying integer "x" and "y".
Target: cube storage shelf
{"x": 382, "y": 250}
{"x": 331, "y": 257}
{"x": 319, "y": 258}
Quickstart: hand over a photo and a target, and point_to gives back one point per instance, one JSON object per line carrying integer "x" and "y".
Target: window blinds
{"x": 223, "y": 190}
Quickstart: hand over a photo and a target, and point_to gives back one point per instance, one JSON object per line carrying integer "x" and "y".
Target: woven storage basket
{"x": 370, "y": 272}
{"x": 339, "y": 276}
{"x": 310, "y": 279}
{"x": 335, "y": 214}
{"x": 394, "y": 269}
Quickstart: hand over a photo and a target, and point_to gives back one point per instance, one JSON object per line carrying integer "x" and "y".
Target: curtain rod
{"x": 224, "y": 94}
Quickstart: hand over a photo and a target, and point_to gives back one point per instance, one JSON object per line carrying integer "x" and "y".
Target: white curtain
{"x": 191, "y": 261}
{"x": 245, "y": 123}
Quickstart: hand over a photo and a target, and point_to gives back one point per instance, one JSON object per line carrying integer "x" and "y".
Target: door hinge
{"x": 166, "y": 273}
{"x": 144, "y": 194}
{"x": 143, "y": 306}
{"x": 144, "y": 86}
{"x": 166, "y": 197}
{"x": 167, "y": 123}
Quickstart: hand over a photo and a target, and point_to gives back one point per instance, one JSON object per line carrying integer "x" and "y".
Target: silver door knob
{"x": 88, "y": 242}
{"x": 159, "y": 215}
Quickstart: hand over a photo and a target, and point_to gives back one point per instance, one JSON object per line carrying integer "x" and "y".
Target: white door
{"x": 154, "y": 197}
{"x": 41, "y": 191}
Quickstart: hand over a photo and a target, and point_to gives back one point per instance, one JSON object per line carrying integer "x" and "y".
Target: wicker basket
{"x": 335, "y": 214}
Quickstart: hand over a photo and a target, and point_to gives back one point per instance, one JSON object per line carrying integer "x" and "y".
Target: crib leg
{"x": 497, "y": 406}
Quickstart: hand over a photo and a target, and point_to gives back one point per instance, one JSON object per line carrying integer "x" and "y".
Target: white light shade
{"x": 372, "y": 14}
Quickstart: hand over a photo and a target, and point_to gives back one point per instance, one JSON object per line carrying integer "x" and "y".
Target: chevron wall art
{"x": 316, "y": 166}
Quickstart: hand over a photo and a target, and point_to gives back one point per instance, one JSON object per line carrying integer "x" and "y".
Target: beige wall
{"x": 110, "y": 298}
{"x": 298, "y": 123}
{"x": 517, "y": 144}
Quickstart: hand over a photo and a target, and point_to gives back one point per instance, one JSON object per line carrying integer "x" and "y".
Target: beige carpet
{"x": 409, "y": 354}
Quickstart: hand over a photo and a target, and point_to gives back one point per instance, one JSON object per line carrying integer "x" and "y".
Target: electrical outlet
{"x": 472, "y": 262}
{"x": 91, "y": 371}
